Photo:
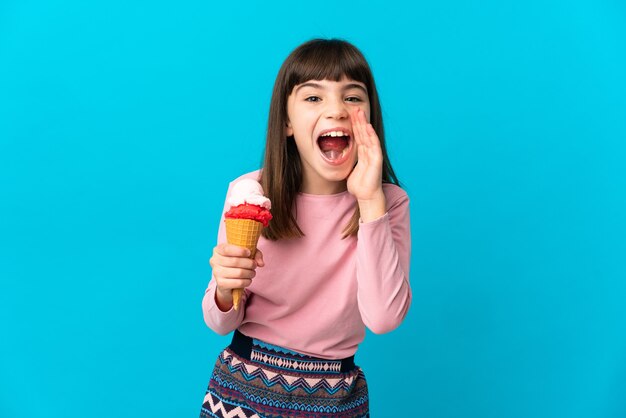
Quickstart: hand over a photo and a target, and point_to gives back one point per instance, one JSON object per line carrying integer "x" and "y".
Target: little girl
{"x": 333, "y": 260}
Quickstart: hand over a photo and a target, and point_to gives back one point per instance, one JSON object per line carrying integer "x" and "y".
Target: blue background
{"x": 505, "y": 122}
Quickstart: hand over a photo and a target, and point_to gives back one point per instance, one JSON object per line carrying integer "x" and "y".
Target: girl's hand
{"x": 232, "y": 269}
{"x": 365, "y": 182}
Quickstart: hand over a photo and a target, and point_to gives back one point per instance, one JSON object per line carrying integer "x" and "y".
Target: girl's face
{"x": 318, "y": 114}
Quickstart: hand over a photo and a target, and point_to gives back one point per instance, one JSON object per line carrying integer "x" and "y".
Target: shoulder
{"x": 255, "y": 175}
{"x": 395, "y": 195}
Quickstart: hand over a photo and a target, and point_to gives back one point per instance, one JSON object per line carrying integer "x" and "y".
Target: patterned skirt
{"x": 255, "y": 379}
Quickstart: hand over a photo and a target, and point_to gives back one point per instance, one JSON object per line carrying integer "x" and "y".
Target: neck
{"x": 323, "y": 188}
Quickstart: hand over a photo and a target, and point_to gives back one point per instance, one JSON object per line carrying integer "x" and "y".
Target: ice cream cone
{"x": 243, "y": 233}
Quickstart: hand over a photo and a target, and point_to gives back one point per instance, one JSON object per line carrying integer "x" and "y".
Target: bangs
{"x": 328, "y": 60}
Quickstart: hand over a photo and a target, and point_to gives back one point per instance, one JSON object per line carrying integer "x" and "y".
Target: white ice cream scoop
{"x": 248, "y": 191}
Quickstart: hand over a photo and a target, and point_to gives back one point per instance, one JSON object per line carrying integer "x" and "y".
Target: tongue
{"x": 332, "y": 154}
{"x": 332, "y": 146}
{"x": 328, "y": 143}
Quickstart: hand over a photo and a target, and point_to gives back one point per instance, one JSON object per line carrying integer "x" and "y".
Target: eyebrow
{"x": 319, "y": 86}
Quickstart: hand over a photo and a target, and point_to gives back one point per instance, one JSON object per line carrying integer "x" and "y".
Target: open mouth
{"x": 335, "y": 146}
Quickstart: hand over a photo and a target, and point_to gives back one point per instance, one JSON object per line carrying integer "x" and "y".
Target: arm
{"x": 226, "y": 319}
{"x": 221, "y": 322}
{"x": 382, "y": 267}
{"x": 384, "y": 239}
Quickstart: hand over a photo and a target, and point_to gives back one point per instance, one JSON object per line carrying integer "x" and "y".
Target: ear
{"x": 288, "y": 129}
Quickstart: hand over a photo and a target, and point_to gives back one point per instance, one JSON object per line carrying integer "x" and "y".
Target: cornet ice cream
{"x": 248, "y": 214}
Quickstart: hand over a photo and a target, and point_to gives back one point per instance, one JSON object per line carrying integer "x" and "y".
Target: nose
{"x": 337, "y": 109}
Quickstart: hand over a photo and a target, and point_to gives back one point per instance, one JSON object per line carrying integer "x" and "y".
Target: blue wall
{"x": 506, "y": 122}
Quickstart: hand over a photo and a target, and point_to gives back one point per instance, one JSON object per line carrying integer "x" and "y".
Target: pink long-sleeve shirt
{"x": 316, "y": 294}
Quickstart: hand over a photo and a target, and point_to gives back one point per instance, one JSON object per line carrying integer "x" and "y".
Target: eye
{"x": 354, "y": 99}
{"x": 312, "y": 99}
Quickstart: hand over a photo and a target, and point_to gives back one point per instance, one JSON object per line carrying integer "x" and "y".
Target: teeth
{"x": 335, "y": 133}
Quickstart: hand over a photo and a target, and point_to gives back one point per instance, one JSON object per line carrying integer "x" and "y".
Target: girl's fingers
{"x": 361, "y": 126}
{"x": 234, "y": 262}
{"x": 230, "y": 250}
{"x": 229, "y": 284}
{"x": 228, "y": 273}
{"x": 367, "y": 133}
{"x": 360, "y": 154}
{"x": 355, "y": 127}
{"x": 220, "y": 260}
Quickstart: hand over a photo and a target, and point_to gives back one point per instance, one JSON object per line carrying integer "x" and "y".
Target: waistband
{"x": 285, "y": 359}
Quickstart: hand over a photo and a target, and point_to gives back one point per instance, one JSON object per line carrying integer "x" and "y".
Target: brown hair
{"x": 317, "y": 59}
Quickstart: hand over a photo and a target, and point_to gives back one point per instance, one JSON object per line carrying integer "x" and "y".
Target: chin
{"x": 340, "y": 174}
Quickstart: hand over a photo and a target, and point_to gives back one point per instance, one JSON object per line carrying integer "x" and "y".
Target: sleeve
{"x": 382, "y": 266}
{"x": 219, "y": 321}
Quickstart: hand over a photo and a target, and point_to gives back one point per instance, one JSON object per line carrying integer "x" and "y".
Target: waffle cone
{"x": 243, "y": 233}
